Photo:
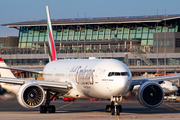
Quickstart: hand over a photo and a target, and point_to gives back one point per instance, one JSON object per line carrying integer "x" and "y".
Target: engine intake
{"x": 30, "y": 95}
{"x": 150, "y": 94}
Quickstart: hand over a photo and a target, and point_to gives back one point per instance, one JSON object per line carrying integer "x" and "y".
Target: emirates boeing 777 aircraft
{"x": 81, "y": 78}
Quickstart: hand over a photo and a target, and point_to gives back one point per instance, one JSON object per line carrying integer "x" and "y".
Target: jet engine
{"x": 30, "y": 95}
{"x": 150, "y": 94}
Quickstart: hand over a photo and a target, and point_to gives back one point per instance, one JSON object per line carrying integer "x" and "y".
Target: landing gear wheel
{"x": 51, "y": 109}
{"x": 43, "y": 109}
{"x": 108, "y": 108}
{"x": 112, "y": 110}
{"x": 47, "y": 107}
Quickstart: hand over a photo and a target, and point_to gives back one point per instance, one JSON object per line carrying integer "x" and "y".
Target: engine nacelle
{"x": 30, "y": 95}
{"x": 150, "y": 94}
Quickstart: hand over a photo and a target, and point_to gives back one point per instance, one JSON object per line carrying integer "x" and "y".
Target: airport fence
{"x": 75, "y": 49}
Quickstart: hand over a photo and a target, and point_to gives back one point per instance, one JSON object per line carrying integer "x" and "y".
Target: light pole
{"x": 157, "y": 45}
{"x": 85, "y": 39}
{"x": 165, "y": 41}
{"x": 77, "y": 37}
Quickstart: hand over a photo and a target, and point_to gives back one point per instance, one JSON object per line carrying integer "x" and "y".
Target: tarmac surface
{"x": 89, "y": 110}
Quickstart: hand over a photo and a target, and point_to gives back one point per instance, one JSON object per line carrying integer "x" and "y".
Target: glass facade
{"x": 101, "y": 34}
{"x": 144, "y": 33}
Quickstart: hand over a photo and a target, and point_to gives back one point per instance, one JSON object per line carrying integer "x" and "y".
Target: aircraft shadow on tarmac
{"x": 126, "y": 110}
{"x": 93, "y": 106}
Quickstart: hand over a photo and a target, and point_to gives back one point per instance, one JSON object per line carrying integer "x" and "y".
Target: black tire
{"x": 112, "y": 110}
{"x": 43, "y": 109}
{"x": 108, "y": 108}
{"x": 120, "y": 108}
{"x": 51, "y": 109}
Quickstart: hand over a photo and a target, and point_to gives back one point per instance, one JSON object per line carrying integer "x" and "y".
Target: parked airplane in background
{"x": 82, "y": 78}
{"x": 167, "y": 86}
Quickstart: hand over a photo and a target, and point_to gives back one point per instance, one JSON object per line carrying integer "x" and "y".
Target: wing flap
{"x": 12, "y": 80}
{"x": 155, "y": 79}
{"x": 22, "y": 69}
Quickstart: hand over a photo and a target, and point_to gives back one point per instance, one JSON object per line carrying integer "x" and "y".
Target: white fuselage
{"x": 89, "y": 78}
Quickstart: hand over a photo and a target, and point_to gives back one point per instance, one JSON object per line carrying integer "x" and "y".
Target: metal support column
{"x": 45, "y": 48}
{"x": 130, "y": 44}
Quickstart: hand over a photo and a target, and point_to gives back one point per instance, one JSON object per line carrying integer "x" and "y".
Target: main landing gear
{"x": 114, "y": 108}
{"x": 47, "y": 107}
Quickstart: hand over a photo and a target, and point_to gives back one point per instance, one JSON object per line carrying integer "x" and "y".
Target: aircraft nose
{"x": 175, "y": 88}
{"x": 123, "y": 84}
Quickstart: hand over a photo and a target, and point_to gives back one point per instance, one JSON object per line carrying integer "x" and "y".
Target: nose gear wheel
{"x": 114, "y": 108}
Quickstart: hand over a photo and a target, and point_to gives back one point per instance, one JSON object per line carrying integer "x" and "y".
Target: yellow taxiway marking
{"x": 172, "y": 107}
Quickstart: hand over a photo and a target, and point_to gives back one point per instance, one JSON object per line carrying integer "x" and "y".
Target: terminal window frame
{"x": 177, "y": 42}
{"x": 118, "y": 74}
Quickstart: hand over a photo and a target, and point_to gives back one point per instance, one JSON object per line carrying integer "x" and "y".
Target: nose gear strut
{"x": 114, "y": 108}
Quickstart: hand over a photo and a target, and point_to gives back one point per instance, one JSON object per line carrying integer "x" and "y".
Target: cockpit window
{"x": 172, "y": 84}
{"x": 111, "y": 74}
{"x": 118, "y": 74}
{"x": 124, "y": 73}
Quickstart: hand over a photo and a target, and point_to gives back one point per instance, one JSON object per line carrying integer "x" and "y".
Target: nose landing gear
{"x": 114, "y": 108}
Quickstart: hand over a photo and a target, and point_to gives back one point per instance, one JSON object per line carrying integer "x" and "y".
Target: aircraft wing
{"x": 22, "y": 69}
{"x": 47, "y": 85}
{"x": 155, "y": 79}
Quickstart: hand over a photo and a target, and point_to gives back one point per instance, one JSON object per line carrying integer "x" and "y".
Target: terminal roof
{"x": 98, "y": 21}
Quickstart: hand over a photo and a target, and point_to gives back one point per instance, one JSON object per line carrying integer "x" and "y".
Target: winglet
{"x": 53, "y": 53}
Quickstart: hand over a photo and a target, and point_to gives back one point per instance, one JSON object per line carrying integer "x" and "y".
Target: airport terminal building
{"x": 134, "y": 40}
